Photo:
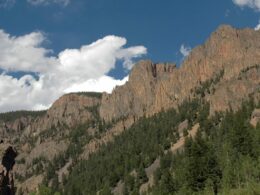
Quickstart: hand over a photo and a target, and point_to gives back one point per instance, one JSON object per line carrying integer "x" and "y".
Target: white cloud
{"x": 129, "y": 53}
{"x": 47, "y": 2}
{"x": 104, "y": 83}
{"x": 185, "y": 50}
{"x": 23, "y": 53}
{"x": 258, "y": 26}
{"x": 72, "y": 70}
{"x": 6, "y": 3}
{"x": 255, "y": 4}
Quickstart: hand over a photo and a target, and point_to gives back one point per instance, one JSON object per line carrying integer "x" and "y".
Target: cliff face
{"x": 138, "y": 94}
{"x": 9, "y": 128}
{"x": 153, "y": 87}
{"x": 69, "y": 110}
{"x": 45, "y": 137}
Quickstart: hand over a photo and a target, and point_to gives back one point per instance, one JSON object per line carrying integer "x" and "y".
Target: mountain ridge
{"x": 228, "y": 49}
{"x": 224, "y": 72}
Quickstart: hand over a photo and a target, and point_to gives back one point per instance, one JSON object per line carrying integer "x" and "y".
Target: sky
{"x": 52, "y": 47}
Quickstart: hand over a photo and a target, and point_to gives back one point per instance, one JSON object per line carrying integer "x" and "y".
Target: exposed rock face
{"x": 44, "y": 137}
{"x": 233, "y": 91}
{"x": 107, "y": 137}
{"x": 153, "y": 87}
{"x": 69, "y": 110}
{"x": 182, "y": 126}
{"x": 7, "y": 154}
{"x": 255, "y": 117}
{"x": 31, "y": 184}
{"x": 138, "y": 94}
{"x": 177, "y": 147}
{"x": 11, "y": 128}
{"x": 47, "y": 150}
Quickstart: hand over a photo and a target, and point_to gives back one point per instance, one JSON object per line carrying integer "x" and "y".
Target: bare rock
{"x": 119, "y": 189}
{"x": 150, "y": 174}
{"x": 70, "y": 110}
{"x": 153, "y": 87}
{"x": 47, "y": 150}
{"x": 31, "y": 184}
{"x": 255, "y": 117}
{"x": 182, "y": 126}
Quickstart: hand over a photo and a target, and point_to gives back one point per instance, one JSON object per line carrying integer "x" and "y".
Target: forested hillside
{"x": 223, "y": 158}
{"x": 11, "y": 116}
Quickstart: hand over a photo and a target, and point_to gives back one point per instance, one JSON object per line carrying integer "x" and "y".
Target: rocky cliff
{"x": 69, "y": 110}
{"x": 41, "y": 138}
{"x": 140, "y": 94}
{"x": 225, "y": 56}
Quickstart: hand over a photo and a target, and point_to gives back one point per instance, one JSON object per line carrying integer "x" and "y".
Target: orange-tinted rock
{"x": 255, "y": 118}
{"x": 70, "y": 110}
{"x": 152, "y": 88}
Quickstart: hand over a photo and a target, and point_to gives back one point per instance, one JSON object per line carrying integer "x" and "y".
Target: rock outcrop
{"x": 45, "y": 136}
{"x": 255, "y": 117}
{"x": 70, "y": 110}
{"x": 153, "y": 87}
{"x": 138, "y": 94}
{"x": 11, "y": 129}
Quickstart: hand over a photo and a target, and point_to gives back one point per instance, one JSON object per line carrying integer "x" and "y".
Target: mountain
{"x": 117, "y": 142}
{"x": 225, "y": 57}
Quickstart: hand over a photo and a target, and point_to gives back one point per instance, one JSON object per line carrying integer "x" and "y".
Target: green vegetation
{"x": 256, "y": 66}
{"x": 207, "y": 86}
{"x": 78, "y": 137}
{"x": 223, "y": 158}
{"x": 11, "y": 116}
{"x": 134, "y": 150}
{"x": 90, "y": 94}
{"x": 43, "y": 190}
{"x": 245, "y": 70}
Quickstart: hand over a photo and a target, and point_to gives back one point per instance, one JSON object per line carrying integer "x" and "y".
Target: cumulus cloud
{"x": 258, "y": 26}
{"x": 23, "y": 53}
{"x": 185, "y": 50}
{"x": 104, "y": 83}
{"x": 255, "y": 4}
{"x": 72, "y": 70}
{"x": 128, "y": 53}
{"x": 47, "y": 2}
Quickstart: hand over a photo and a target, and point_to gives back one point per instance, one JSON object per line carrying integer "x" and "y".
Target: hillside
{"x": 168, "y": 130}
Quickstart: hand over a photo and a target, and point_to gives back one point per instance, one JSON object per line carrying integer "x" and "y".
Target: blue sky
{"x": 161, "y": 27}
